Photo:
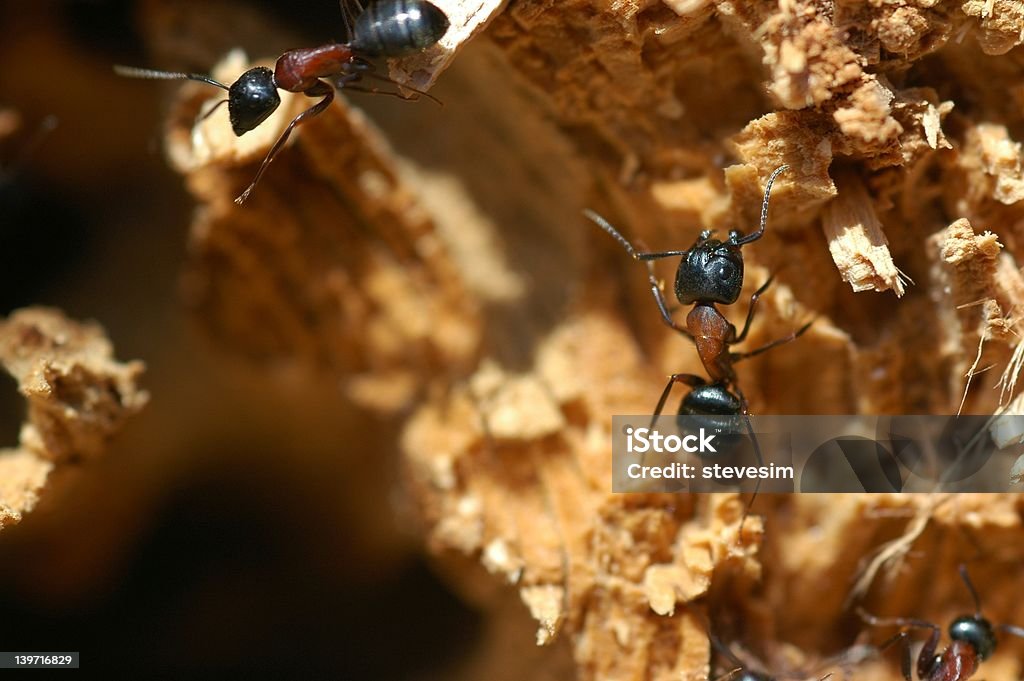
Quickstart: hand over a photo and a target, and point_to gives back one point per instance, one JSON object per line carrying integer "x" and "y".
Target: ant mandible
{"x": 710, "y": 272}
{"x": 388, "y": 28}
{"x": 973, "y": 641}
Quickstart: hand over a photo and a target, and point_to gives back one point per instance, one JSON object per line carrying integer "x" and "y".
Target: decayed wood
{"x": 363, "y": 260}
{"x": 857, "y": 243}
{"x": 78, "y": 397}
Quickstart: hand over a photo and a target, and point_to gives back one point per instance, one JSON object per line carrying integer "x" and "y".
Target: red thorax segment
{"x": 958, "y": 662}
{"x": 298, "y": 70}
{"x": 712, "y": 332}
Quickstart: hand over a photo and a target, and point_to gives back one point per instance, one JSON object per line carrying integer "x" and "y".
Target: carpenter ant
{"x": 388, "y": 28}
{"x": 710, "y": 272}
{"x": 973, "y": 641}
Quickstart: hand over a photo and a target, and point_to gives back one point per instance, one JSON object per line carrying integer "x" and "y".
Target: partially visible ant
{"x": 740, "y": 671}
{"x": 709, "y": 273}
{"x": 973, "y": 641}
{"x": 388, "y": 28}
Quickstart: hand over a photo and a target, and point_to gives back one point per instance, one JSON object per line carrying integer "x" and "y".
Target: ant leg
{"x": 378, "y": 91}
{"x": 745, "y": 412}
{"x": 895, "y": 621}
{"x": 728, "y": 675}
{"x": 926, "y": 658}
{"x": 904, "y": 656}
{"x": 385, "y": 79}
{"x": 689, "y": 379}
{"x": 750, "y": 310}
{"x": 210, "y": 112}
{"x": 737, "y": 356}
{"x": 348, "y": 17}
{"x": 659, "y": 298}
{"x": 725, "y": 652}
{"x": 320, "y": 89}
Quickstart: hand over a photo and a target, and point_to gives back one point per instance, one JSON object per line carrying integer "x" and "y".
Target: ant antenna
{"x": 970, "y": 587}
{"x": 152, "y": 74}
{"x": 764, "y": 208}
{"x": 606, "y": 226}
{"x": 1011, "y": 629}
{"x": 1007, "y": 628}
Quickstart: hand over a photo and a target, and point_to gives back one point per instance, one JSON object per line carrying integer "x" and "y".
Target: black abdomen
{"x": 394, "y": 28}
{"x": 710, "y": 400}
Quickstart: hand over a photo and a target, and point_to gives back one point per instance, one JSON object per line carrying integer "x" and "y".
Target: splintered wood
{"x": 510, "y": 353}
{"x": 78, "y": 396}
{"x": 533, "y": 502}
{"x": 856, "y": 240}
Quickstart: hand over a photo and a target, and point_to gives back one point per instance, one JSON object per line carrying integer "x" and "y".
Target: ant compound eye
{"x": 723, "y": 270}
{"x": 251, "y": 99}
{"x": 975, "y": 631}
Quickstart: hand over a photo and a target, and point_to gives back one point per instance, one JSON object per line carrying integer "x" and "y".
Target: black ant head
{"x": 710, "y": 272}
{"x": 976, "y": 631}
{"x": 251, "y": 99}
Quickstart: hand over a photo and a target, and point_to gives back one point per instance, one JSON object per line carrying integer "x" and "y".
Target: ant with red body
{"x": 387, "y": 28}
{"x": 710, "y": 272}
{"x": 973, "y": 641}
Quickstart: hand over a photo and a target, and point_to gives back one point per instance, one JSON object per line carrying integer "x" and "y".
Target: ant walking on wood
{"x": 710, "y": 272}
{"x": 973, "y": 641}
{"x": 388, "y": 28}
